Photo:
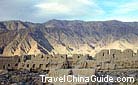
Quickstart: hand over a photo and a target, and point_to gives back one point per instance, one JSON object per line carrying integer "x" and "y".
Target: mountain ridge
{"x": 66, "y": 37}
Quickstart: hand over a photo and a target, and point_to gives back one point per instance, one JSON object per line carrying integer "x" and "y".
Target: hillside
{"x": 70, "y": 37}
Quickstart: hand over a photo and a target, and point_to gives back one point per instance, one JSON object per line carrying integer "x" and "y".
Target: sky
{"x": 87, "y": 10}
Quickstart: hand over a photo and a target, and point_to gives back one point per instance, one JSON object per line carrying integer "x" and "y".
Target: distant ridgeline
{"x": 104, "y": 60}
{"x": 66, "y": 37}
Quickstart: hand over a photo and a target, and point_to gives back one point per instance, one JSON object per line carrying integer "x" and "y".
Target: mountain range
{"x": 66, "y": 37}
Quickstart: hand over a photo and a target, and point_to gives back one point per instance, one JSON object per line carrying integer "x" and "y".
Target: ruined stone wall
{"x": 45, "y": 62}
{"x": 117, "y": 59}
{"x": 79, "y": 61}
{"x": 104, "y": 60}
{"x": 9, "y": 62}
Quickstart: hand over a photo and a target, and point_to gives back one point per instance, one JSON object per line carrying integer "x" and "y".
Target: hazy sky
{"x": 88, "y": 10}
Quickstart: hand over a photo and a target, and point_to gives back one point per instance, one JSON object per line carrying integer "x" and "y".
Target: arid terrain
{"x": 68, "y": 42}
{"x": 61, "y": 47}
{"x": 66, "y": 37}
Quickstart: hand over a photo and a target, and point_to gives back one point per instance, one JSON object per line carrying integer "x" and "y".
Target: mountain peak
{"x": 66, "y": 36}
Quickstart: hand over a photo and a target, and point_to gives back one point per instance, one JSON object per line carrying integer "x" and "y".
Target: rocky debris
{"x": 120, "y": 73}
{"x": 32, "y": 78}
{"x": 21, "y": 78}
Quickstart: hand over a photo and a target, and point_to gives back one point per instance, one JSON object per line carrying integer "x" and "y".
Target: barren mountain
{"x": 70, "y": 37}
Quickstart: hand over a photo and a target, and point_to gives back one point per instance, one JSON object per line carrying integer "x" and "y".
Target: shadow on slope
{"x": 42, "y": 41}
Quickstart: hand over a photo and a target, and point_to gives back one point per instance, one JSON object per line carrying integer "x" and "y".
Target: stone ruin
{"x": 77, "y": 64}
{"x": 116, "y": 59}
{"x": 43, "y": 62}
{"x": 10, "y": 62}
{"x": 104, "y": 60}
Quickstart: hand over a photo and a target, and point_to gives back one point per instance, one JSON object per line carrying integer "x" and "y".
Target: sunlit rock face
{"x": 66, "y": 37}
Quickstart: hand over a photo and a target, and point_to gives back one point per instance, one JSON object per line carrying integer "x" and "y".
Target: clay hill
{"x": 70, "y": 37}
